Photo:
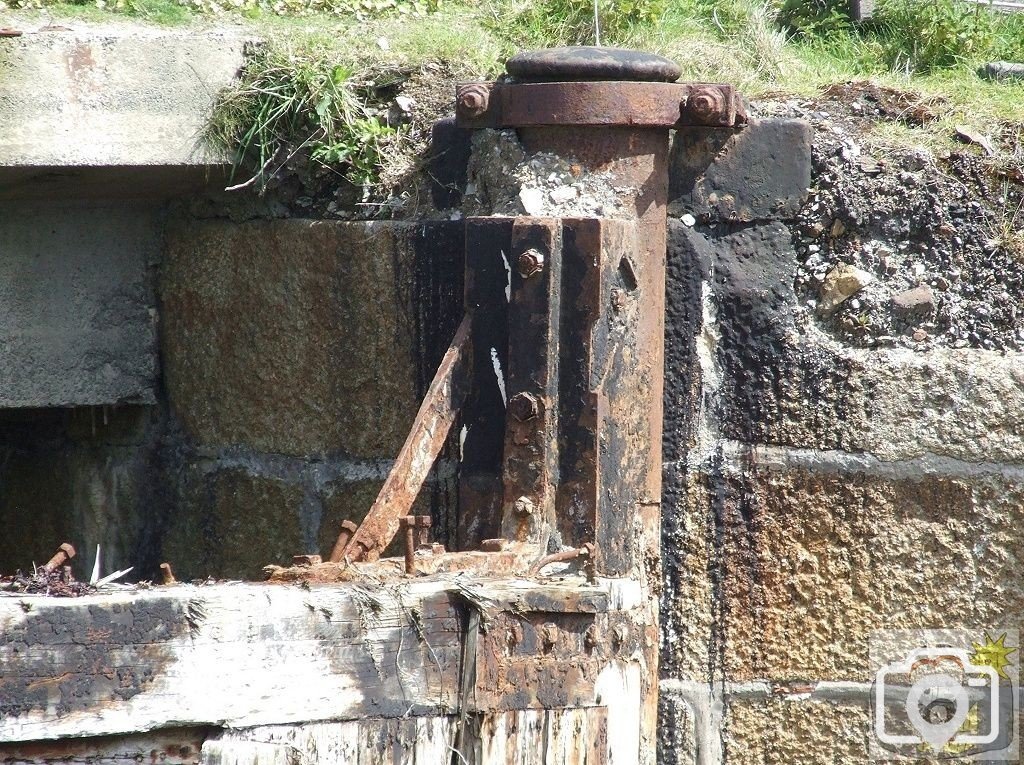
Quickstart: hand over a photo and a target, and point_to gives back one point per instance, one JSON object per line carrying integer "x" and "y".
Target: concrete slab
{"x": 121, "y": 95}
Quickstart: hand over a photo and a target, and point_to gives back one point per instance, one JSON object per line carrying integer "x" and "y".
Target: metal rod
{"x": 429, "y": 432}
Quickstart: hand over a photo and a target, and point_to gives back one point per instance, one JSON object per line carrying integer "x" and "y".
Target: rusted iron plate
{"x": 591, "y": 63}
{"x": 483, "y": 415}
{"x": 429, "y": 431}
{"x": 636, "y": 104}
{"x": 531, "y": 436}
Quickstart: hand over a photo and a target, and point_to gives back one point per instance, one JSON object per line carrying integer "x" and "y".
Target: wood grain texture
{"x": 244, "y": 655}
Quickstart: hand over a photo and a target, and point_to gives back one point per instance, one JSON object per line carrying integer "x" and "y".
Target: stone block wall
{"x": 814, "y": 491}
{"x": 292, "y": 355}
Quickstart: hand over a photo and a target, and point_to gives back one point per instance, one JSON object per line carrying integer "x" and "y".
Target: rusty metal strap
{"x": 430, "y": 429}
{"x": 637, "y": 104}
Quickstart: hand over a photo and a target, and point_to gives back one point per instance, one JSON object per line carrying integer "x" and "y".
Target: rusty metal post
{"x": 586, "y": 314}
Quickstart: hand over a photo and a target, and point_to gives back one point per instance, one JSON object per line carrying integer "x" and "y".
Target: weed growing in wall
{"x": 301, "y": 102}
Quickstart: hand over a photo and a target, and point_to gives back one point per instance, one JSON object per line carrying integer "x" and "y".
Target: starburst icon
{"x": 993, "y": 653}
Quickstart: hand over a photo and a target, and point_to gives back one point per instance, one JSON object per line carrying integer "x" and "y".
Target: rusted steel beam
{"x": 430, "y": 429}
{"x": 634, "y": 104}
{"x": 531, "y": 424}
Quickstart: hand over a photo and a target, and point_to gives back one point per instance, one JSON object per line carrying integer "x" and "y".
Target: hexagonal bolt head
{"x": 548, "y": 635}
{"x": 705, "y": 104}
{"x": 473, "y": 100}
{"x": 524, "y": 406}
{"x": 529, "y": 263}
{"x": 524, "y": 506}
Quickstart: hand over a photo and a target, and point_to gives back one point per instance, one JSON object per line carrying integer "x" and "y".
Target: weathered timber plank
{"x": 230, "y": 654}
{"x": 167, "y": 747}
{"x": 243, "y": 655}
{"x": 409, "y": 741}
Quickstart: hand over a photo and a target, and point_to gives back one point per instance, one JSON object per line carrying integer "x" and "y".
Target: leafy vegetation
{"x": 290, "y": 101}
{"x": 319, "y": 91}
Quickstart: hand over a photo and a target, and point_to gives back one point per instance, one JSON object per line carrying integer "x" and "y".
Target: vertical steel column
{"x": 586, "y": 336}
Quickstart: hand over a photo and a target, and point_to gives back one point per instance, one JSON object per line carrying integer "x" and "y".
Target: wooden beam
{"x": 242, "y": 655}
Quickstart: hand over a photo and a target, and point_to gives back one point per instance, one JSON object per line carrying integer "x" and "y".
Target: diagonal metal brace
{"x": 430, "y": 429}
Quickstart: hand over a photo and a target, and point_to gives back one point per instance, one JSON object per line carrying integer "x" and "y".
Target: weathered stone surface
{"x": 759, "y": 173}
{"x": 810, "y": 562}
{"x": 677, "y": 740}
{"x": 796, "y": 732}
{"x": 113, "y": 95}
{"x": 230, "y": 523}
{"x": 293, "y": 337}
{"x": 77, "y": 306}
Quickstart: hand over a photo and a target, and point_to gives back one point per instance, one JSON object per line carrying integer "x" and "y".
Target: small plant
{"x": 815, "y": 18}
{"x": 922, "y": 35}
{"x": 571, "y": 22}
{"x": 291, "y": 103}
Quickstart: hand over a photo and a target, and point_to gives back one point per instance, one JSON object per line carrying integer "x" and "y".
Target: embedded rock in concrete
{"x": 111, "y": 95}
{"x": 759, "y": 173}
{"x": 77, "y": 309}
{"x": 841, "y": 284}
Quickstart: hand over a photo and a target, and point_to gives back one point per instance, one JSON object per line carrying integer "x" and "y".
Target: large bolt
{"x": 524, "y": 506}
{"x": 524, "y": 406}
{"x": 548, "y": 635}
{"x": 529, "y": 263}
{"x": 473, "y": 100}
{"x": 408, "y": 524}
{"x": 348, "y": 528}
{"x": 706, "y": 106}
{"x": 64, "y": 553}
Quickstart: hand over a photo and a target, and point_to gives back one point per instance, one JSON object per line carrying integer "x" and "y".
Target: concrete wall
{"x": 814, "y": 491}
{"x": 77, "y": 304}
{"x": 293, "y": 356}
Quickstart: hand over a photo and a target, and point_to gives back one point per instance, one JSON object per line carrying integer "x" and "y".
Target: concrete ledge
{"x": 121, "y": 95}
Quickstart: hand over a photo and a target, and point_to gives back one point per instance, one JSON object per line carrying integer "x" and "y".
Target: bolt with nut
{"x": 524, "y": 406}
{"x": 530, "y": 263}
{"x": 473, "y": 100}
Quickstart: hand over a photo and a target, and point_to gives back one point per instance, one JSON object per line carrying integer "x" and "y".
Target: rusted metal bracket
{"x": 633, "y": 104}
{"x": 430, "y": 429}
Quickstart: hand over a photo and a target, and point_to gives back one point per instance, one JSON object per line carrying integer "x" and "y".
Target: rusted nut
{"x": 705, "y": 106}
{"x": 167, "y": 574}
{"x": 473, "y": 100}
{"x": 524, "y": 406}
{"x": 548, "y": 634}
{"x": 306, "y": 560}
{"x": 64, "y": 553}
{"x": 492, "y": 545}
{"x": 620, "y": 634}
{"x": 529, "y": 263}
{"x": 523, "y": 506}
{"x": 423, "y": 523}
{"x": 592, "y": 638}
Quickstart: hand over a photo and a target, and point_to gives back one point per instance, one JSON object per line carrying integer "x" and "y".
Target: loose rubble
{"x": 939, "y": 236}
{"x": 504, "y": 180}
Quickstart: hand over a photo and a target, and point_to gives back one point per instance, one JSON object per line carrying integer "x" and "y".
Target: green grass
{"x": 330, "y": 63}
